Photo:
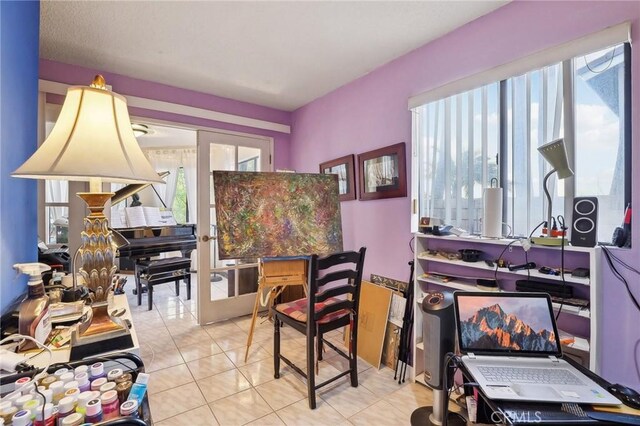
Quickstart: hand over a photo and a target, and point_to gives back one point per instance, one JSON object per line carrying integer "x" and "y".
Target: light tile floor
{"x": 199, "y": 377}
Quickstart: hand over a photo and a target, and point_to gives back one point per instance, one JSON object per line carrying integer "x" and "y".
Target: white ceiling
{"x": 278, "y": 54}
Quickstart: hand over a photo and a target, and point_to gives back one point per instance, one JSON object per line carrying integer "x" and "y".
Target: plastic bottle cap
{"x": 60, "y": 371}
{"x": 48, "y": 394}
{"x": 81, "y": 369}
{"x": 72, "y": 419}
{"x": 23, "y": 399}
{"x": 4, "y": 405}
{"x": 67, "y": 377}
{"x": 21, "y": 418}
{"x": 31, "y": 405}
{"x": 66, "y": 404}
{"x": 98, "y": 382}
{"x": 57, "y": 387}
{"x": 128, "y": 407}
{"x": 114, "y": 374}
{"x": 48, "y": 380}
{"x": 84, "y": 397}
{"x": 108, "y": 397}
{"x": 13, "y": 396}
{"x": 94, "y": 407}
{"x": 73, "y": 393}
{"x": 95, "y": 394}
{"x": 48, "y": 411}
{"x": 71, "y": 385}
{"x": 21, "y": 383}
{"x": 82, "y": 379}
{"x": 126, "y": 377}
{"x": 107, "y": 387}
{"x": 97, "y": 369}
{"x": 143, "y": 378}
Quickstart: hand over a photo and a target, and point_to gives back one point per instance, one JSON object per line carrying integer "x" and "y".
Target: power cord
{"x": 614, "y": 270}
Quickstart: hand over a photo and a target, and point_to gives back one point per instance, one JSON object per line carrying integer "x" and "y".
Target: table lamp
{"x": 556, "y": 155}
{"x": 93, "y": 141}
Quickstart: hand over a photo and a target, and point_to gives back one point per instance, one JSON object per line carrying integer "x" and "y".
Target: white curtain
{"x": 190, "y": 178}
{"x": 166, "y": 160}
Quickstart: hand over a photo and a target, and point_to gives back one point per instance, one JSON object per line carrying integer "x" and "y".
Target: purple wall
{"x": 76, "y": 75}
{"x": 371, "y": 112}
{"x": 19, "y": 34}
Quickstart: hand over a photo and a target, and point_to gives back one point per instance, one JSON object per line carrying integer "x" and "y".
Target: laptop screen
{"x": 511, "y": 323}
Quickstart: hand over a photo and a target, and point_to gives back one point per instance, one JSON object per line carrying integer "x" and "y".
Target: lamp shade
{"x": 91, "y": 139}
{"x": 556, "y": 155}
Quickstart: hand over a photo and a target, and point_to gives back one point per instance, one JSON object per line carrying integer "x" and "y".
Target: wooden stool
{"x": 152, "y": 272}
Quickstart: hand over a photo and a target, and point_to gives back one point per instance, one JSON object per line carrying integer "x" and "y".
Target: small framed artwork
{"x": 383, "y": 173}
{"x": 344, "y": 167}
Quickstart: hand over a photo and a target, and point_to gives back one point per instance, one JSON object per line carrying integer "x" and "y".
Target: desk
{"x": 493, "y": 411}
{"x": 62, "y": 355}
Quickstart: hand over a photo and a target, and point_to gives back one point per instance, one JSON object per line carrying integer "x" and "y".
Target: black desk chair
{"x": 333, "y": 308}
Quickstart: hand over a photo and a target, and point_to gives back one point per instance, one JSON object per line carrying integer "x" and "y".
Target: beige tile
{"x": 154, "y": 334}
{"x": 342, "y": 364}
{"x": 199, "y": 350}
{"x": 193, "y": 336}
{"x": 223, "y": 328}
{"x": 175, "y": 401}
{"x": 208, "y": 366}
{"x": 256, "y": 353}
{"x": 162, "y": 359}
{"x": 168, "y": 378}
{"x": 240, "y": 408}
{"x": 259, "y": 372}
{"x": 232, "y": 341}
{"x": 283, "y": 391}
{"x": 201, "y": 416}
{"x": 223, "y": 384}
{"x": 300, "y": 414}
{"x": 270, "y": 420}
{"x": 380, "y": 382}
{"x": 149, "y": 347}
{"x": 346, "y": 399}
{"x": 379, "y": 414}
{"x": 410, "y": 397}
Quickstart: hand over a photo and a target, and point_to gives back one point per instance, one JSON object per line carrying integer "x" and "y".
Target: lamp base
{"x": 113, "y": 339}
{"x": 424, "y": 416}
{"x": 549, "y": 241}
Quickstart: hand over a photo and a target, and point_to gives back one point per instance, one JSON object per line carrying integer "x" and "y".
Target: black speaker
{"x": 584, "y": 229}
{"x": 438, "y": 332}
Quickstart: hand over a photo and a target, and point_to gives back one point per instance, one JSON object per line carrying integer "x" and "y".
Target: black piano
{"x": 152, "y": 241}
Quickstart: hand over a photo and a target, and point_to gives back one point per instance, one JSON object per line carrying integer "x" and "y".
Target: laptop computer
{"x": 510, "y": 347}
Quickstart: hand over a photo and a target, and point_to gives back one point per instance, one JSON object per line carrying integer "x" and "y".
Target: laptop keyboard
{"x": 544, "y": 376}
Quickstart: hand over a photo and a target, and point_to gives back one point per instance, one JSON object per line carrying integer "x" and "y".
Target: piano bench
{"x": 152, "y": 272}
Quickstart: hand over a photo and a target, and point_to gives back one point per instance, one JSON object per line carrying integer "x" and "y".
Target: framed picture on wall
{"x": 383, "y": 173}
{"x": 344, "y": 167}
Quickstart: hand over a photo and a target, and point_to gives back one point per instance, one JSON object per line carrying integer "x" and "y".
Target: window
{"x": 56, "y": 211}
{"x": 463, "y": 141}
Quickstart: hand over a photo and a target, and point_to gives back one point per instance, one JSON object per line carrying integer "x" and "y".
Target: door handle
{"x": 205, "y": 238}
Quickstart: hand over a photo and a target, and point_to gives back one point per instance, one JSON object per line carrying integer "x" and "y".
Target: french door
{"x": 226, "y": 288}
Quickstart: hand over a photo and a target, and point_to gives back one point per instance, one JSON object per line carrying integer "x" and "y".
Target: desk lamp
{"x": 93, "y": 141}
{"x": 556, "y": 155}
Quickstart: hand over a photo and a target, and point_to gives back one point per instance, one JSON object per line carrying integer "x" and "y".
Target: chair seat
{"x": 297, "y": 310}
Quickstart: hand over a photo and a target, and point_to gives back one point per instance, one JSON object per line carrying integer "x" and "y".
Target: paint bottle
{"x": 20, "y": 384}
{"x": 57, "y": 388}
{"x": 72, "y": 393}
{"x": 94, "y": 411}
{"x": 139, "y": 388}
{"x": 123, "y": 390}
{"x": 97, "y": 371}
{"x": 126, "y": 377}
{"x": 48, "y": 395}
{"x": 83, "y": 399}
{"x": 108, "y": 387}
{"x": 32, "y": 406}
{"x": 60, "y": 371}
{"x": 110, "y": 404}
{"x": 74, "y": 419}
{"x": 7, "y": 411}
{"x": 113, "y": 375}
{"x": 22, "y": 418}
{"x": 67, "y": 377}
{"x": 83, "y": 381}
{"x": 97, "y": 383}
{"x": 49, "y": 418}
{"x": 81, "y": 369}
{"x": 66, "y": 407}
{"x": 46, "y": 382}
{"x": 129, "y": 408}
{"x": 71, "y": 385}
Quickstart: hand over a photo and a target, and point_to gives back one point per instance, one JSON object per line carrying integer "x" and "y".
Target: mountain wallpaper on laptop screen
{"x": 492, "y": 328}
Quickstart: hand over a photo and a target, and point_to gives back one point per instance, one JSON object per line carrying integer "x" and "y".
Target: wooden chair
{"x": 333, "y": 308}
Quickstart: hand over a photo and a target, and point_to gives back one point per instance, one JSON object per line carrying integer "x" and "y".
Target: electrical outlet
{"x": 510, "y": 249}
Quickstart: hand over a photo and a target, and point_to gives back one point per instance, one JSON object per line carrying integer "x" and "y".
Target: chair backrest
{"x": 335, "y": 275}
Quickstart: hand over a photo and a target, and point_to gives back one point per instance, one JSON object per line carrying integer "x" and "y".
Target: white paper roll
{"x": 492, "y": 213}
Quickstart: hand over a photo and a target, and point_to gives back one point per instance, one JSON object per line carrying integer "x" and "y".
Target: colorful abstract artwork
{"x": 276, "y": 214}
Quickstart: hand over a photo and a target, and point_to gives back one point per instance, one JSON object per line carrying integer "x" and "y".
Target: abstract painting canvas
{"x": 276, "y": 214}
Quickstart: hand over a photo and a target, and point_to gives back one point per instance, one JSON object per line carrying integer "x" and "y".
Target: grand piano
{"x": 145, "y": 242}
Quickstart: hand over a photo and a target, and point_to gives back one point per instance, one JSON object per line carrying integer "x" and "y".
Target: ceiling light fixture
{"x": 140, "y": 129}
